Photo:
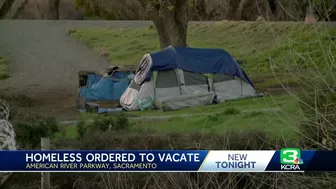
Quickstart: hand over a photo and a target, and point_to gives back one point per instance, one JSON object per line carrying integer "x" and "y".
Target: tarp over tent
{"x": 106, "y": 88}
{"x": 178, "y": 77}
{"x": 199, "y": 60}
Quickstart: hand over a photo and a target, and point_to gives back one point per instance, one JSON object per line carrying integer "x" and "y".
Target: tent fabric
{"x": 184, "y": 101}
{"x": 146, "y": 103}
{"x": 129, "y": 98}
{"x": 180, "y": 77}
{"x": 192, "y": 78}
{"x": 194, "y": 83}
{"x": 101, "y": 89}
{"x": 167, "y": 83}
{"x": 233, "y": 89}
{"x": 130, "y": 93}
{"x": 198, "y": 60}
{"x": 220, "y": 78}
{"x": 166, "y": 79}
{"x": 143, "y": 69}
{"x": 194, "y": 89}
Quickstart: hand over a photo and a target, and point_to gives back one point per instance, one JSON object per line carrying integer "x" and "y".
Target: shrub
{"x": 65, "y": 143}
{"x": 121, "y": 123}
{"x": 81, "y": 129}
{"x": 30, "y": 128}
{"x": 102, "y": 123}
{"x": 174, "y": 180}
{"x": 177, "y": 141}
{"x": 231, "y": 111}
{"x": 148, "y": 140}
{"x": 213, "y": 117}
{"x": 253, "y": 114}
{"x": 318, "y": 111}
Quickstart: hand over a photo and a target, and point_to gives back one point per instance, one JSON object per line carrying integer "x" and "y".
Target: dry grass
{"x": 101, "y": 50}
{"x": 148, "y": 140}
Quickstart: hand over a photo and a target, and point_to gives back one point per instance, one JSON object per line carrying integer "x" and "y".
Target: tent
{"x": 179, "y": 77}
{"x": 103, "y": 89}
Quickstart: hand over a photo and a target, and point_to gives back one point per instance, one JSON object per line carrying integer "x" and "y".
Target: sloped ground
{"x": 289, "y": 50}
{"x": 260, "y": 47}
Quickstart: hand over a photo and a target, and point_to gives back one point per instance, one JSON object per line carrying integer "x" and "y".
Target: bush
{"x": 102, "y": 123}
{"x": 81, "y": 128}
{"x": 318, "y": 111}
{"x": 231, "y": 111}
{"x": 30, "y": 128}
{"x": 177, "y": 141}
{"x": 253, "y": 114}
{"x": 174, "y": 180}
{"x": 143, "y": 139}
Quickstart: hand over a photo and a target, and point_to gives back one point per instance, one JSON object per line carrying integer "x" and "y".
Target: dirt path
{"x": 45, "y": 62}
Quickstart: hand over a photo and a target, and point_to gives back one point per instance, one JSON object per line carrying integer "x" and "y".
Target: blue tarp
{"x": 197, "y": 60}
{"x": 105, "y": 89}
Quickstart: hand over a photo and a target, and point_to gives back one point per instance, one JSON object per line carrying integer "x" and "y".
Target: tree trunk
{"x": 5, "y": 6}
{"x": 310, "y": 15}
{"x": 57, "y": 7}
{"x": 163, "y": 33}
{"x": 170, "y": 18}
{"x": 51, "y": 12}
{"x": 239, "y": 13}
{"x": 16, "y": 9}
{"x": 273, "y": 6}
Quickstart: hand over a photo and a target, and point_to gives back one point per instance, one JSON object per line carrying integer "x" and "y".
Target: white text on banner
{"x": 236, "y": 161}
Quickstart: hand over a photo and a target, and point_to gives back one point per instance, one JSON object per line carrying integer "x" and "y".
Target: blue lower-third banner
{"x": 285, "y": 160}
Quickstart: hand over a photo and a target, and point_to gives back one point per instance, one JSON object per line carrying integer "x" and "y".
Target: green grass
{"x": 276, "y": 124}
{"x": 259, "y": 46}
{"x": 229, "y": 116}
{"x": 67, "y": 131}
{"x": 242, "y": 104}
{"x": 4, "y": 63}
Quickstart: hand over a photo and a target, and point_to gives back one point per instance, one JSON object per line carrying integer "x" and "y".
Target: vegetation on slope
{"x": 276, "y": 116}
{"x": 261, "y": 47}
{"x": 264, "y": 49}
{"x": 98, "y": 135}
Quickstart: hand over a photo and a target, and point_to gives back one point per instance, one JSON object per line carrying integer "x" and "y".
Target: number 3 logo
{"x": 288, "y": 155}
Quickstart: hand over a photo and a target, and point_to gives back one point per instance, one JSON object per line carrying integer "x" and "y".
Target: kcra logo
{"x": 290, "y": 159}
